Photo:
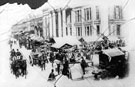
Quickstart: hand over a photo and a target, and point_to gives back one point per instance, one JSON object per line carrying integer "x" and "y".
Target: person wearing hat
{"x": 83, "y": 65}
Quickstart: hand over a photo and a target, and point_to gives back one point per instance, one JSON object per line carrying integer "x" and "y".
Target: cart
{"x": 112, "y": 63}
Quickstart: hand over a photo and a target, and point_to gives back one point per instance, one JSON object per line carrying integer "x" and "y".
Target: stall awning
{"x": 113, "y": 52}
{"x": 35, "y": 37}
{"x": 92, "y": 39}
{"x": 62, "y": 46}
{"x": 113, "y": 38}
{"x": 65, "y": 40}
{"x": 125, "y": 48}
{"x": 58, "y": 45}
{"x": 66, "y": 46}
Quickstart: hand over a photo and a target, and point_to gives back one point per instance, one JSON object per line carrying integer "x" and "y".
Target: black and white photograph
{"x": 67, "y": 43}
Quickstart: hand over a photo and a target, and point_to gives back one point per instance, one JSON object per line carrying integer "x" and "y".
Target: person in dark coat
{"x": 13, "y": 54}
{"x": 44, "y": 59}
{"x": 52, "y": 76}
{"x": 58, "y": 68}
{"x": 83, "y": 65}
{"x": 52, "y": 58}
{"x": 65, "y": 70}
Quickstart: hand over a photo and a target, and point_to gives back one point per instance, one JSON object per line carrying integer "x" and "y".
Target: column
{"x": 94, "y": 28}
{"x": 54, "y": 24}
{"x": 50, "y": 25}
{"x": 73, "y": 21}
{"x": 83, "y": 27}
{"x": 44, "y": 27}
{"x": 64, "y": 22}
{"x": 104, "y": 20}
{"x": 59, "y": 24}
{"x": 48, "y": 28}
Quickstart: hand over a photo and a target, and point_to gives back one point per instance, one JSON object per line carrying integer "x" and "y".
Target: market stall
{"x": 112, "y": 63}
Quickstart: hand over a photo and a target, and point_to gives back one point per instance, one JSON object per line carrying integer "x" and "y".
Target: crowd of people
{"x": 62, "y": 58}
{"x": 18, "y": 64}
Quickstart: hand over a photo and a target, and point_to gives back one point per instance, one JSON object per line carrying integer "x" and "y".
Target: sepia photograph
{"x": 67, "y": 43}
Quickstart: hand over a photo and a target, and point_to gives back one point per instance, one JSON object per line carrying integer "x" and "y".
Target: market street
{"x": 38, "y": 78}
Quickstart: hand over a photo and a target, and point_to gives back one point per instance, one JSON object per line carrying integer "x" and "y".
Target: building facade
{"x": 36, "y": 25}
{"x": 83, "y": 21}
{"x": 32, "y": 26}
{"x": 116, "y": 20}
{"x": 21, "y": 26}
{"x": 80, "y": 21}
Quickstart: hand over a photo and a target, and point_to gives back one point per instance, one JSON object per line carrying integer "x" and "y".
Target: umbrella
{"x": 34, "y": 4}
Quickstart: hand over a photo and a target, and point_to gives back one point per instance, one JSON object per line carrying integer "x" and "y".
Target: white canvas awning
{"x": 65, "y": 40}
{"x": 35, "y": 37}
{"x": 113, "y": 38}
{"x": 92, "y": 39}
{"x": 113, "y": 52}
{"x": 58, "y": 45}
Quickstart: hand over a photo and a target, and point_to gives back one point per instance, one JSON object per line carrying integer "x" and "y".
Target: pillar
{"x": 59, "y": 23}
{"x": 54, "y": 24}
{"x": 73, "y": 22}
{"x": 50, "y": 24}
{"x": 83, "y": 20}
{"x": 64, "y": 22}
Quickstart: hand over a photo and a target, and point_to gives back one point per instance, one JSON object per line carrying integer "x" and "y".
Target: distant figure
{"x": 18, "y": 54}
{"x": 13, "y": 54}
{"x": 10, "y": 43}
{"x": 14, "y": 42}
{"x": 83, "y": 65}
{"x": 51, "y": 76}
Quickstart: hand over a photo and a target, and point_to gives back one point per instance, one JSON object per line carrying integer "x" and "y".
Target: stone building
{"x": 32, "y": 25}
{"x": 83, "y": 21}
{"x": 77, "y": 20}
{"x": 21, "y": 26}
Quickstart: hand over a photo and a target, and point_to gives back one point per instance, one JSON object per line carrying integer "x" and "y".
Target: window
{"x": 78, "y": 16}
{"x": 97, "y": 13}
{"x": 118, "y": 29}
{"x": 68, "y": 15}
{"x": 87, "y": 14}
{"x": 66, "y": 31}
{"x": 71, "y": 31}
{"x": 91, "y": 31}
{"x": 118, "y": 12}
{"x": 40, "y": 29}
{"x": 88, "y": 30}
{"x": 98, "y": 29}
{"x": 79, "y": 31}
